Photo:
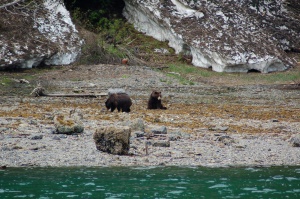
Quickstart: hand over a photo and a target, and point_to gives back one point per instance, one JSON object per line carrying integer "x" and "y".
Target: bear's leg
{"x": 112, "y": 108}
{"x": 125, "y": 109}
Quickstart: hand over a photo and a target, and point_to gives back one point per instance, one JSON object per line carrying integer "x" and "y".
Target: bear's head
{"x": 156, "y": 94}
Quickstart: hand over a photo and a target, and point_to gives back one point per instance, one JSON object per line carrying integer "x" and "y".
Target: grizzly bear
{"x": 154, "y": 101}
{"x": 121, "y": 101}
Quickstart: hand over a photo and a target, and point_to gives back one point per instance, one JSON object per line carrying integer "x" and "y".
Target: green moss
{"x": 5, "y": 81}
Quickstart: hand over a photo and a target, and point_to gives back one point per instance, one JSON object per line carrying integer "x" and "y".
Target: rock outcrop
{"x": 225, "y": 35}
{"x": 34, "y": 33}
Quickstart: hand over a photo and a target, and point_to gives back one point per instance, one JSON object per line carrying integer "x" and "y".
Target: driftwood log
{"x": 40, "y": 91}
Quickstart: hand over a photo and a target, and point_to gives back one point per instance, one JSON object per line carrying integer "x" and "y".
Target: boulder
{"x": 159, "y": 130}
{"x": 113, "y": 140}
{"x": 41, "y": 33}
{"x": 295, "y": 141}
{"x": 161, "y": 143}
{"x": 137, "y": 125}
{"x": 66, "y": 125}
{"x": 227, "y": 36}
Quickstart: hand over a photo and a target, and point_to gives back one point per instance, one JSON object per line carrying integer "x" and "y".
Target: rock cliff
{"x": 225, "y": 35}
{"x": 34, "y": 33}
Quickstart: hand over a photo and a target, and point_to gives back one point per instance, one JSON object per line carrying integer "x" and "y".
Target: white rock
{"x": 215, "y": 37}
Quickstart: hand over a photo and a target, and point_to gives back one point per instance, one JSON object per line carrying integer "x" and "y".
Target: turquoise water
{"x": 150, "y": 182}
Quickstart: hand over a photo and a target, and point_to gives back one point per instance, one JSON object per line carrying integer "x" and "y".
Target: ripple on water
{"x": 253, "y": 169}
{"x": 175, "y": 192}
{"x": 291, "y": 178}
{"x": 72, "y": 196}
{"x": 145, "y": 168}
{"x": 89, "y": 184}
{"x": 218, "y": 186}
{"x": 278, "y": 177}
{"x": 170, "y": 180}
{"x": 264, "y": 191}
{"x": 250, "y": 189}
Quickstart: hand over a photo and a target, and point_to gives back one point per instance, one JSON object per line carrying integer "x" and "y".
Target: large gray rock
{"x": 67, "y": 125}
{"x": 230, "y": 36}
{"x": 113, "y": 140}
{"x": 295, "y": 141}
{"x": 35, "y": 34}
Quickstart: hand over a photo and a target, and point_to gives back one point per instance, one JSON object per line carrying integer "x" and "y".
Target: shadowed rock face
{"x": 226, "y": 35}
{"x": 41, "y": 33}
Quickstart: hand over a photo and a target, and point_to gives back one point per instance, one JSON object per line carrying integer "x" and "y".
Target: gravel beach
{"x": 206, "y": 124}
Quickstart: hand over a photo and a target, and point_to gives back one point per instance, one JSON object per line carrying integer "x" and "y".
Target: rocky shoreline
{"x": 204, "y": 125}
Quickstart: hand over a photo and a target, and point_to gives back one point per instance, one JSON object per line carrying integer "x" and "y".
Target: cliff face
{"x": 225, "y": 35}
{"x": 37, "y": 32}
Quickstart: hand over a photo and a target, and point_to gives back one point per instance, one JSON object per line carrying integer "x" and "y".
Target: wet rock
{"x": 113, "y": 140}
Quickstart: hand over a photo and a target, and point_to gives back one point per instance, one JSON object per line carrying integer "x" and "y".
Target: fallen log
{"x": 40, "y": 91}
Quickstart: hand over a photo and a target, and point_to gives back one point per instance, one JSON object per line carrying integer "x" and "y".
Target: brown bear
{"x": 154, "y": 101}
{"x": 121, "y": 101}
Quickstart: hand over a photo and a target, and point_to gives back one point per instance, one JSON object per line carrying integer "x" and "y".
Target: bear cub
{"x": 154, "y": 101}
{"x": 121, "y": 101}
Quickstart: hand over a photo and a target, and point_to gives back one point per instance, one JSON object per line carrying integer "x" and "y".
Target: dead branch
{"x": 40, "y": 91}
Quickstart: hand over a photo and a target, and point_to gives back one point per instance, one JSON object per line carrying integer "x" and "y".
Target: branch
{"x": 40, "y": 91}
{"x": 10, "y": 4}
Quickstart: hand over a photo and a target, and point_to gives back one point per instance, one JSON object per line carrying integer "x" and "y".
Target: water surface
{"x": 150, "y": 182}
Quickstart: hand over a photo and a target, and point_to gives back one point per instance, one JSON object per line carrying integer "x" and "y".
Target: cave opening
{"x": 253, "y": 71}
{"x": 186, "y": 54}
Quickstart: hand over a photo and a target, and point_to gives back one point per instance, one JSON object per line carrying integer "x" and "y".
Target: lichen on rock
{"x": 113, "y": 140}
{"x": 235, "y": 36}
{"x": 37, "y": 33}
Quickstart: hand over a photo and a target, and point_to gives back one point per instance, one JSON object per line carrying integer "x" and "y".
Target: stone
{"x": 35, "y": 137}
{"x": 226, "y": 140}
{"x": 159, "y": 130}
{"x": 174, "y": 137}
{"x": 139, "y": 134}
{"x": 65, "y": 125}
{"x": 137, "y": 125}
{"x": 295, "y": 141}
{"x": 226, "y": 37}
{"x": 161, "y": 143}
{"x": 113, "y": 140}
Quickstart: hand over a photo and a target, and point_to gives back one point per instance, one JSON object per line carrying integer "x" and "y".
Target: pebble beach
{"x": 205, "y": 124}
